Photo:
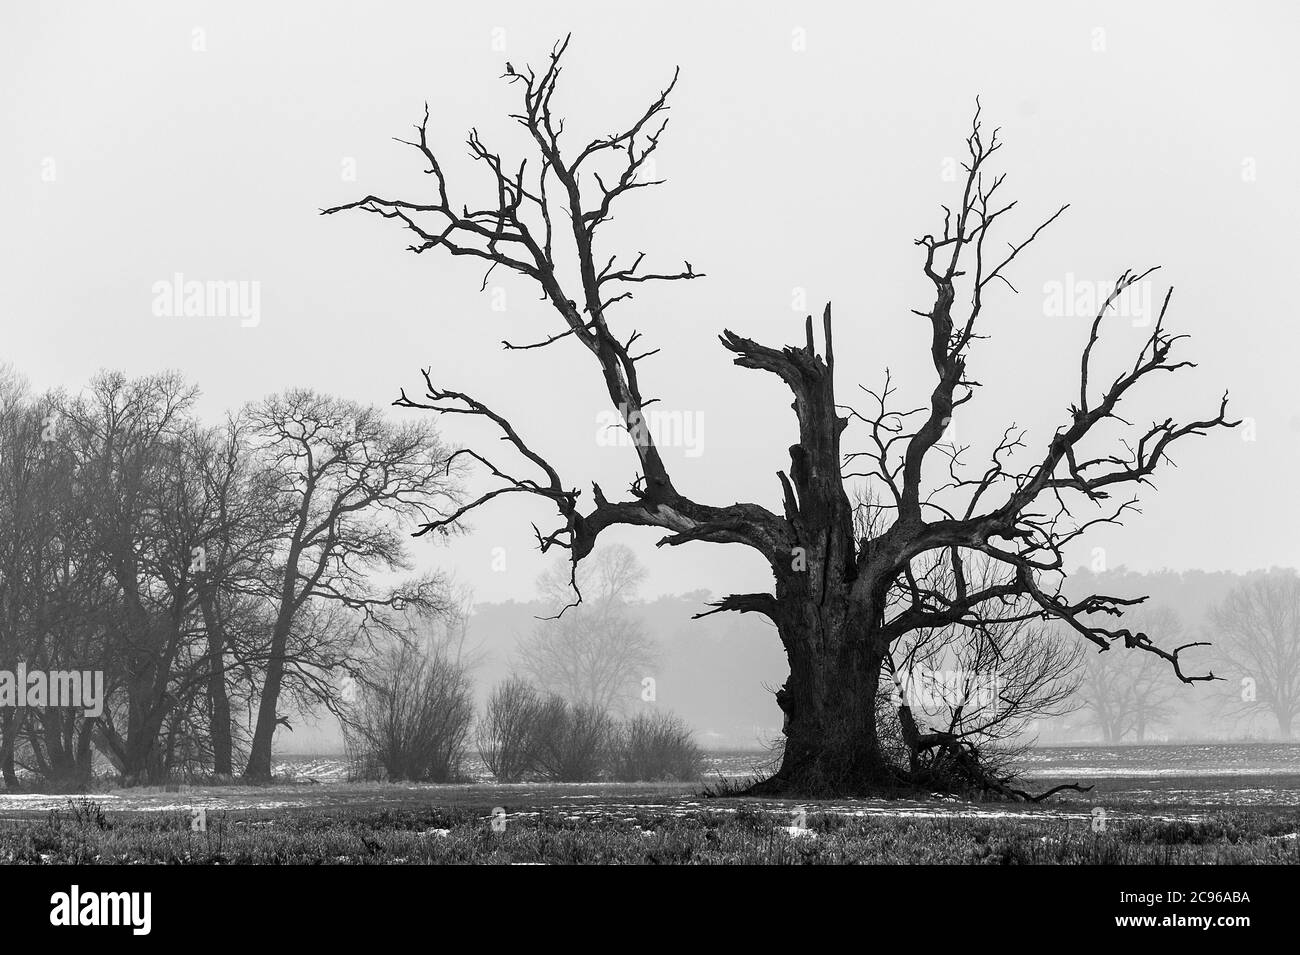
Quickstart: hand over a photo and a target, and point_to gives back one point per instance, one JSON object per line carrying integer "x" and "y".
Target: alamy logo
{"x": 1081, "y": 298}
{"x": 83, "y": 689}
{"x": 180, "y": 298}
{"x": 665, "y": 429}
{"x": 934, "y": 690}
{"x": 102, "y": 908}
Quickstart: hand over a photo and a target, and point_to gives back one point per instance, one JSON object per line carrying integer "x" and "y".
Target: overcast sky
{"x": 809, "y": 145}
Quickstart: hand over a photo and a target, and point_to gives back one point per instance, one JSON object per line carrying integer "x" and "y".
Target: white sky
{"x": 812, "y": 169}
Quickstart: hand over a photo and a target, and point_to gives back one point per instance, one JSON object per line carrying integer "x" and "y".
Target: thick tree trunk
{"x": 828, "y": 608}
{"x": 85, "y": 752}
{"x": 57, "y": 727}
{"x": 218, "y": 700}
{"x": 9, "y": 726}
{"x": 831, "y": 743}
{"x": 259, "y": 754}
{"x": 258, "y": 768}
{"x": 147, "y": 661}
{"x": 142, "y": 762}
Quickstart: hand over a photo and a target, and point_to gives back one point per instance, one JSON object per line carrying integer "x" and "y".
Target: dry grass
{"x": 722, "y": 832}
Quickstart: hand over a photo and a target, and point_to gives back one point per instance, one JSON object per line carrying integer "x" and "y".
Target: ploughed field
{"x": 1167, "y": 804}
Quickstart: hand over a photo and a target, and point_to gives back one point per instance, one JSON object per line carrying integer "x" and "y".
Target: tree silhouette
{"x": 1123, "y": 697}
{"x": 1258, "y": 626}
{"x": 596, "y": 654}
{"x": 851, "y": 577}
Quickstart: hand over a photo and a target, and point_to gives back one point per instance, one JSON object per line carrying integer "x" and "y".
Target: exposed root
{"x": 941, "y": 764}
{"x": 953, "y": 764}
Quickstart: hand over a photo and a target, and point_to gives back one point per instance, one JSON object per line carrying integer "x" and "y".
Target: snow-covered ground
{"x": 1134, "y": 779}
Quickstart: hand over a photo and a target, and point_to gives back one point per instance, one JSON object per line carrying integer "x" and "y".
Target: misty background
{"x": 808, "y": 147}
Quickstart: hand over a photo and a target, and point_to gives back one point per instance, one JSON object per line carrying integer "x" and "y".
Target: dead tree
{"x": 840, "y": 599}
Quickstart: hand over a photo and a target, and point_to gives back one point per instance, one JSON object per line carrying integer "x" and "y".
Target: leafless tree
{"x": 1258, "y": 631}
{"x": 506, "y": 735}
{"x": 654, "y": 746}
{"x": 964, "y": 693}
{"x": 1124, "y": 698}
{"x": 571, "y": 741}
{"x": 414, "y": 715}
{"x": 121, "y": 443}
{"x": 597, "y": 653}
{"x": 103, "y": 512}
{"x": 140, "y": 544}
{"x": 348, "y": 480}
{"x": 55, "y": 611}
{"x": 833, "y": 589}
{"x": 234, "y": 536}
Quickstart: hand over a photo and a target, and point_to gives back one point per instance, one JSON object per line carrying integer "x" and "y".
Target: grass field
{"x": 617, "y": 829}
{"x": 1219, "y": 813}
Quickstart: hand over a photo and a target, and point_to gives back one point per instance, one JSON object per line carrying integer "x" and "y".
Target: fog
{"x": 809, "y": 146}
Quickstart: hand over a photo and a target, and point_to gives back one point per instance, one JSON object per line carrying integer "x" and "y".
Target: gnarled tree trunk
{"x": 831, "y": 742}
{"x": 834, "y": 581}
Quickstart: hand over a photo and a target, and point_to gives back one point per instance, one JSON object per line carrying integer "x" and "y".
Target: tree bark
{"x": 829, "y": 702}
{"x": 259, "y": 755}
{"x": 218, "y": 699}
{"x": 833, "y": 580}
{"x": 9, "y": 724}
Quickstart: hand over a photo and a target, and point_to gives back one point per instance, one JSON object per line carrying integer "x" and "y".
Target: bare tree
{"x": 507, "y": 735}
{"x": 235, "y": 539}
{"x": 55, "y": 609}
{"x": 571, "y": 741}
{"x": 970, "y": 696}
{"x": 654, "y": 746}
{"x": 1131, "y": 699}
{"x": 414, "y": 715}
{"x": 1258, "y": 627}
{"x": 140, "y": 544}
{"x": 120, "y": 443}
{"x": 347, "y": 482}
{"x": 450, "y": 628}
{"x": 833, "y": 590}
{"x": 596, "y": 653}
{"x": 106, "y": 507}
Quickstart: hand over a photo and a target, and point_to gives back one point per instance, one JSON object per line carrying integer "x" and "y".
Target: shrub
{"x": 507, "y": 734}
{"x": 655, "y": 746}
{"x": 572, "y": 742}
{"x": 413, "y": 717}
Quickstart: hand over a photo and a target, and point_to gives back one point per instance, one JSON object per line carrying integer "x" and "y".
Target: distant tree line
{"x": 559, "y": 717}
{"x": 1253, "y": 624}
{"x": 221, "y": 576}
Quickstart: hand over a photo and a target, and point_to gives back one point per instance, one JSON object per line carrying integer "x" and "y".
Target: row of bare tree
{"x": 1255, "y": 632}
{"x": 413, "y": 719}
{"x": 221, "y": 577}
